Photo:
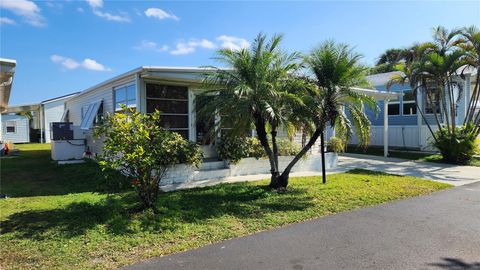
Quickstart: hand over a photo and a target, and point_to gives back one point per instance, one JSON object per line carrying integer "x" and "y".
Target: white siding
{"x": 22, "y": 129}
{"x": 105, "y": 93}
{"x": 53, "y": 112}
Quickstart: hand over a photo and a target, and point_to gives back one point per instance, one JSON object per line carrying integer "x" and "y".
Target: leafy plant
{"x": 235, "y": 148}
{"x": 336, "y": 145}
{"x": 457, "y": 147}
{"x": 137, "y": 146}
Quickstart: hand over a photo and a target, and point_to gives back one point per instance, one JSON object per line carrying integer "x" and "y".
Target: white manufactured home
{"x": 171, "y": 90}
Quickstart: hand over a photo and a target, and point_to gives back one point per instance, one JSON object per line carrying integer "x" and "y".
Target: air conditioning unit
{"x": 61, "y": 131}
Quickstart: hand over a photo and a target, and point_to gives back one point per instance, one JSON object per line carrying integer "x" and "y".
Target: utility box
{"x": 61, "y": 131}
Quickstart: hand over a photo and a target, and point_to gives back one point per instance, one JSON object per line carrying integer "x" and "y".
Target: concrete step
{"x": 209, "y": 174}
{"x": 212, "y": 165}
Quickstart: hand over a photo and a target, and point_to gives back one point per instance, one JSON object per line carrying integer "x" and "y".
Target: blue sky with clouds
{"x": 67, "y": 46}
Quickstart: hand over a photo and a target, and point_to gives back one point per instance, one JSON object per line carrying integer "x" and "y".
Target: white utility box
{"x": 68, "y": 149}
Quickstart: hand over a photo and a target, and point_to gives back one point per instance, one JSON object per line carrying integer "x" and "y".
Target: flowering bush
{"x": 136, "y": 145}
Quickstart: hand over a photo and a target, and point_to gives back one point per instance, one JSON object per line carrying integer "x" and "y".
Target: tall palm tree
{"x": 335, "y": 69}
{"x": 255, "y": 89}
{"x": 471, "y": 47}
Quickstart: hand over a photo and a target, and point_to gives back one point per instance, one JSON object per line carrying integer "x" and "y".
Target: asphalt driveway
{"x": 437, "y": 231}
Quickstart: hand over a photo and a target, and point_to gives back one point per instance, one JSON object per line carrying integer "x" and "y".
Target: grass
{"x": 376, "y": 151}
{"x": 58, "y": 219}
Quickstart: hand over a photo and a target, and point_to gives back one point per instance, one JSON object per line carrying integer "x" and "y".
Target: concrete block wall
{"x": 249, "y": 166}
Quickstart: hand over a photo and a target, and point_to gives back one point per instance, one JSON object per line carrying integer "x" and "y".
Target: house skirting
{"x": 408, "y": 137}
{"x": 222, "y": 170}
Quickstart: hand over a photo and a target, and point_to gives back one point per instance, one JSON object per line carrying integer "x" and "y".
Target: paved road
{"x": 446, "y": 173}
{"x": 437, "y": 231}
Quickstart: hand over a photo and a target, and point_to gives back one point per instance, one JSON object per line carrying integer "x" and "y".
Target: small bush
{"x": 287, "y": 147}
{"x": 336, "y": 145}
{"x": 458, "y": 147}
{"x": 236, "y": 148}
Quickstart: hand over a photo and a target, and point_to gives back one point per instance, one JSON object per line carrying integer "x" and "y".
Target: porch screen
{"x": 172, "y": 102}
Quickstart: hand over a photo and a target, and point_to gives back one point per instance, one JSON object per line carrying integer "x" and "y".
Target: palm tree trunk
{"x": 283, "y": 179}
{"x": 473, "y": 101}
{"x": 262, "y": 137}
{"x": 423, "y": 115}
{"x": 322, "y": 150}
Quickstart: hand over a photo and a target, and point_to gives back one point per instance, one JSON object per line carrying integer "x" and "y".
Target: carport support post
{"x": 385, "y": 127}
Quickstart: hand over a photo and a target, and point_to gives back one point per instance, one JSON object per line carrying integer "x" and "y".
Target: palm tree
{"x": 471, "y": 46}
{"x": 336, "y": 70}
{"x": 255, "y": 89}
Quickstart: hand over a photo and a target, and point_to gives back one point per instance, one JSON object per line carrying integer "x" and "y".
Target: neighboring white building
{"x": 15, "y": 128}
{"x": 38, "y": 118}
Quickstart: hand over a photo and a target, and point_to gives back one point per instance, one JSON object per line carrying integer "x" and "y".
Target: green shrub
{"x": 336, "y": 145}
{"x": 236, "y": 148}
{"x": 458, "y": 147}
{"x": 136, "y": 145}
{"x": 287, "y": 147}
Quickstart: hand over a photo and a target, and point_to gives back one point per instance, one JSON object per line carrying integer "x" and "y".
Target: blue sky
{"x": 67, "y": 46}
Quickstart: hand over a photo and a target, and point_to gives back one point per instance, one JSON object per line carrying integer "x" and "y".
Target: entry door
{"x": 204, "y": 133}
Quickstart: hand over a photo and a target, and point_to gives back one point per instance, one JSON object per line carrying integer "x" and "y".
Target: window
{"x": 172, "y": 102}
{"x": 409, "y": 107}
{"x": 125, "y": 95}
{"x": 11, "y": 126}
{"x": 394, "y": 108}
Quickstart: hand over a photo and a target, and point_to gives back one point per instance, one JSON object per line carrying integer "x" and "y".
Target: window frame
{"x": 14, "y": 127}
{"x": 127, "y": 100}
{"x": 408, "y": 102}
{"x": 389, "y": 106}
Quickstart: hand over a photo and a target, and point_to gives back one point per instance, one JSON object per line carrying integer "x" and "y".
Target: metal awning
{"x": 7, "y": 70}
{"x": 378, "y": 95}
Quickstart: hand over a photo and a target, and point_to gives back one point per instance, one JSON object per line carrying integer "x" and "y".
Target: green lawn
{"x": 58, "y": 218}
{"x": 376, "y": 151}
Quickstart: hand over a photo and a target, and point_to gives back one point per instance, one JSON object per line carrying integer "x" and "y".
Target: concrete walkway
{"x": 437, "y": 231}
{"x": 454, "y": 175}
{"x": 446, "y": 173}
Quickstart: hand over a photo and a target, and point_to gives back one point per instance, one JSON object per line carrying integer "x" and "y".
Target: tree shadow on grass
{"x": 456, "y": 264}
{"x": 367, "y": 172}
{"x": 73, "y": 220}
{"x": 35, "y": 174}
{"x": 176, "y": 209}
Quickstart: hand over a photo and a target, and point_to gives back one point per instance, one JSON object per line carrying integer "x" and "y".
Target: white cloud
{"x": 160, "y": 14}
{"x": 70, "y": 63}
{"x": 95, "y": 3}
{"x": 26, "y": 9}
{"x": 111, "y": 17}
{"x": 80, "y": 10}
{"x": 151, "y": 46}
{"x": 5, "y": 20}
{"x": 65, "y": 61}
{"x": 190, "y": 47}
{"x": 233, "y": 43}
{"x": 94, "y": 65}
